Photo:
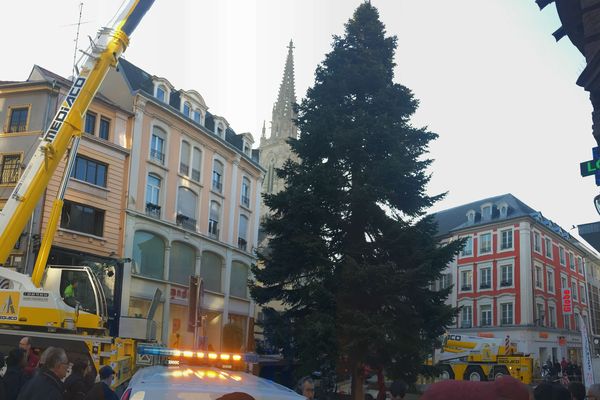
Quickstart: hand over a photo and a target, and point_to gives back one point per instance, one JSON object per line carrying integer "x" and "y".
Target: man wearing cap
{"x": 102, "y": 390}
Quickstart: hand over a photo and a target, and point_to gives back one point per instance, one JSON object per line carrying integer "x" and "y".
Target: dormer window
{"x": 486, "y": 212}
{"x": 220, "y": 131}
{"x": 247, "y": 148}
{"x": 471, "y": 216}
{"x": 161, "y": 93}
{"x": 197, "y": 116}
{"x": 187, "y": 108}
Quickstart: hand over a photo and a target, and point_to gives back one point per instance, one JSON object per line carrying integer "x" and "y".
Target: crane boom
{"x": 104, "y": 53}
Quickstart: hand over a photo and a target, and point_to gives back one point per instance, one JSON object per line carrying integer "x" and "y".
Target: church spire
{"x": 283, "y": 113}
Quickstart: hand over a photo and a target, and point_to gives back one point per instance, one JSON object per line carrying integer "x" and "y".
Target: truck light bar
{"x": 199, "y": 355}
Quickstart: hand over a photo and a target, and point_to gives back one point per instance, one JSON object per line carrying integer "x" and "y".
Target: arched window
{"x": 187, "y": 202}
{"x": 149, "y": 254}
{"x": 196, "y": 164}
{"x": 161, "y": 93}
{"x": 157, "y": 145}
{"x": 184, "y": 164}
{"x": 245, "y": 199}
{"x": 243, "y": 232}
{"x": 187, "y": 109}
{"x": 213, "y": 219}
{"x": 210, "y": 271}
{"x": 153, "y": 195}
{"x": 217, "y": 176}
{"x": 239, "y": 280}
{"x": 182, "y": 263}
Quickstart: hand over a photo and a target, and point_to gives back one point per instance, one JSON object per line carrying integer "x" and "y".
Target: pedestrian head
{"x": 55, "y": 359}
{"x": 577, "y": 390}
{"x": 306, "y": 387}
{"x": 551, "y": 391}
{"x": 79, "y": 366}
{"x": 106, "y": 374}
{"x": 398, "y": 390}
{"x": 25, "y": 344}
{"x": 236, "y": 396}
{"x": 16, "y": 358}
{"x": 593, "y": 392}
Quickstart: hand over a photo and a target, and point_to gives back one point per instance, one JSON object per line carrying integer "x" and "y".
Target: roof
{"x": 157, "y": 381}
{"x": 140, "y": 80}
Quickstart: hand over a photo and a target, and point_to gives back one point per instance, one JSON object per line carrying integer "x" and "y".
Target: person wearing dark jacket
{"x": 47, "y": 384}
{"x": 76, "y": 385}
{"x": 102, "y": 390}
{"x": 14, "y": 377}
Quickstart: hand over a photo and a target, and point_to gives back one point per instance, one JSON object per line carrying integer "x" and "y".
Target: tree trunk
{"x": 358, "y": 383}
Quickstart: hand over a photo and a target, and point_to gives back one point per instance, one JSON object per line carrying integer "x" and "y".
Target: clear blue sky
{"x": 492, "y": 81}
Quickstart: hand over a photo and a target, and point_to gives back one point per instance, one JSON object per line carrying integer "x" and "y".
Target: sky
{"x": 491, "y": 80}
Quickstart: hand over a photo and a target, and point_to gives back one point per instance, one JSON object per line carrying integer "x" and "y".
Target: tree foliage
{"x": 351, "y": 253}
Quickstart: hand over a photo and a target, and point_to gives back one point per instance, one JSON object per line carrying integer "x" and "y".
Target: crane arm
{"x": 104, "y": 53}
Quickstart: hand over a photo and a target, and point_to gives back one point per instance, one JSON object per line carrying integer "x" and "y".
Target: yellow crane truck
{"x": 477, "y": 358}
{"x": 33, "y": 306}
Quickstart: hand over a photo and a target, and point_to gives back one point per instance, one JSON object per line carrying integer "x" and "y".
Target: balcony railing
{"x": 153, "y": 210}
{"x": 9, "y": 173}
{"x": 184, "y": 168}
{"x": 213, "y": 228}
{"x": 217, "y": 185}
{"x": 157, "y": 155}
{"x": 18, "y": 127}
{"x": 195, "y": 174}
{"x": 505, "y": 283}
{"x": 466, "y": 287}
{"x": 246, "y": 201}
{"x": 485, "y": 286}
{"x": 242, "y": 243}
{"x": 186, "y": 222}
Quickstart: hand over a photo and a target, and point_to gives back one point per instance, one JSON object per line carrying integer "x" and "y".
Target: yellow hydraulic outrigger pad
{"x": 104, "y": 53}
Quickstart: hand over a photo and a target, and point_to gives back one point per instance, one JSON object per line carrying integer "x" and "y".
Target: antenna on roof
{"x": 77, "y": 41}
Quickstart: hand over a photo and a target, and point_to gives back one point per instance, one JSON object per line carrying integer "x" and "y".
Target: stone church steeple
{"x": 274, "y": 149}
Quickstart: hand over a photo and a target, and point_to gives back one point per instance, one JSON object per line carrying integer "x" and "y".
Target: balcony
{"x": 157, "y": 156}
{"x": 186, "y": 222}
{"x": 466, "y": 287}
{"x": 485, "y": 286}
{"x": 242, "y": 243}
{"x": 153, "y": 210}
{"x": 184, "y": 169}
{"x": 246, "y": 201}
{"x": 505, "y": 283}
{"x": 196, "y": 175}
{"x": 213, "y": 229}
{"x": 17, "y": 127}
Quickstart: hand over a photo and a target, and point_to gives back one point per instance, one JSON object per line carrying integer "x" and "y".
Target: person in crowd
{"x": 563, "y": 364}
{"x": 577, "y": 390}
{"x": 593, "y": 392}
{"x": 102, "y": 390}
{"x": 551, "y": 391}
{"x": 70, "y": 293}
{"x": 32, "y": 358}
{"x": 503, "y": 388}
{"x": 14, "y": 377}
{"x": 47, "y": 383}
{"x": 398, "y": 390}
{"x": 76, "y": 385}
{"x": 306, "y": 387}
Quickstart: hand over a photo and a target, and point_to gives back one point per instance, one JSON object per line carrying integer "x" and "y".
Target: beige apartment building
{"x": 192, "y": 209}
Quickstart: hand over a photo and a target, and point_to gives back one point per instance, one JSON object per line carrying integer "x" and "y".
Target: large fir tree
{"x": 351, "y": 255}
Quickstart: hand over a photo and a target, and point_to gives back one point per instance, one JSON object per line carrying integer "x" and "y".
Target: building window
{"x": 104, "y": 128}
{"x": 486, "y": 212}
{"x": 563, "y": 282}
{"x": 82, "y": 218}
{"x": 506, "y": 310}
{"x": 466, "y": 280}
{"x": 486, "y": 315}
{"x": 576, "y": 321}
{"x": 567, "y": 322}
{"x": 187, "y": 108}
{"x": 548, "y": 244}
{"x": 467, "y": 249}
{"x": 149, "y": 254}
{"x": 217, "y": 176}
{"x": 153, "y": 196}
{"x": 243, "y": 233}
{"x": 485, "y": 281}
{"x": 466, "y": 317}
{"x": 213, "y": 221}
{"x": 506, "y": 239}
{"x": 550, "y": 279}
{"x": 582, "y": 293}
{"x": 211, "y": 271}
{"x": 506, "y": 272}
{"x": 157, "y": 145}
{"x": 18, "y": 120}
{"x": 572, "y": 261}
{"x": 196, "y": 163}
{"x": 485, "y": 243}
{"x": 503, "y": 211}
{"x": 198, "y": 117}
{"x": 161, "y": 93}
{"x": 184, "y": 164}
{"x": 186, "y": 208}
{"x": 537, "y": 242}
{"x": 182, "y": 263}
{"x": 579, "y": 265}
{"x": 561, "y": 256}
{"x": 539, "y": 280}
{"x": 90, "y": 123}
{"x": 90, "y": 171}
{"x": 551, "y": 316}
{"x": 245, "y": 192}
{"x": 10, "y": 168}
{"x": 446, "y": 281}
{"x": 220, "y": 131}
{"x": 574, "y": 291}
{"x": 238, "y": 286}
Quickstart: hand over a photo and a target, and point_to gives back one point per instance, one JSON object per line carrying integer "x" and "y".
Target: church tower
{"x": 274, "y": 150}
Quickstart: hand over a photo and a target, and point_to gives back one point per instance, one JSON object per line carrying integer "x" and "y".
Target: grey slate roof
{"x": 140, "y": 80}
{"x": 456, "y": 218}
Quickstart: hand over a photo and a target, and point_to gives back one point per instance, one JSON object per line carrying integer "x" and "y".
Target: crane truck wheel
{"x": 474, "y": 373}
{"x": 445, "y": 372}
{"x": 498, "y": 371}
